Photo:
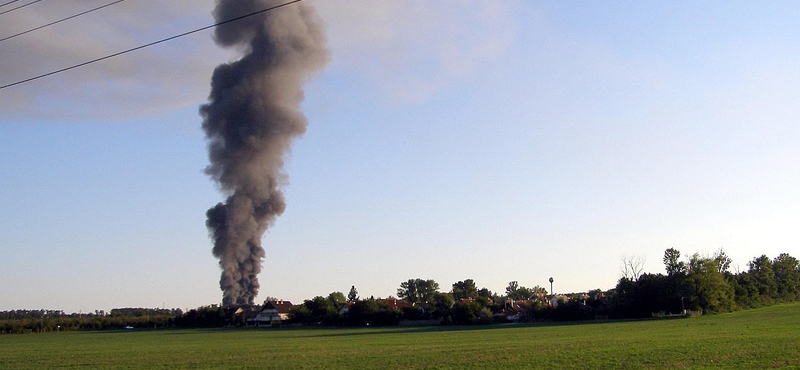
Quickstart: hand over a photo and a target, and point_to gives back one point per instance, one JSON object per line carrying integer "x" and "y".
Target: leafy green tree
{"x": 709, "y": 290}
{"x": 427, "y": 289}
{"x": 300, "y": 314}
{"x": 515, "y": 291}
{"x": 408, "y": 291}
{"x": 387, "y": 315}
{"x": 746, "y": 291}
{"x": 655, "y": 295}
{"x": 322, "y": 309}
{"x": 372, "y": 312}
{"x": 417, "y": 290}
{"x": 464, "y": 289}
{"x": 538, "y": 290}
{"x": 464, "y": 313}
{"x": 269, "y": 299}
{"x": 512, "y": 287}
{"x": 787, "y": 276}
{"x": 338, "y": 299}
{"x": 675, "y": 288}
{"x": 672, "y": 262}
{"x": 442, "y": 302}
{"x": 723, "y": 261}
{"x": 526, "y": 293}
{"x": 352, "y": 296}
{"x": 641, "y": 298}
{"x": 764, "y": 277}
{"x": 484, "y": 301}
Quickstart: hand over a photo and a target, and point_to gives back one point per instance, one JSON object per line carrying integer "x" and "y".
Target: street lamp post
{"x": 683, "y": 308}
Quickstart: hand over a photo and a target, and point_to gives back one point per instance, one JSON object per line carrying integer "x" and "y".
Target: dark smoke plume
{"x": 250, "y": 120}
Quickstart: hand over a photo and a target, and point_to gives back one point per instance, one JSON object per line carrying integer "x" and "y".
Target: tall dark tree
{"x": 787, "y": 276}
{"x": 300, "y": 314}
{"x": 373, "y": 312}
{"x": 746, "y": 290}
{"x": 763, "y": 277}
{"x": 672, "y": 262}
{"x": 538, "y": 290}
{"x": 269, "y": 299}
{"x": 417, "y": 290}
{"x": 511, "y": 288}
{"x": 723, "y": 261}
{"x": 322, "y": 309}
{"x": 442, "y": 302}
{"x": 352, "y": 296}
{"x": 408, "y": 291}
{"x": 709, "y": 290}
{"x": 465, "y": 312}
{"x": 675, "y": 289}
{"x": 338, "y": 299}
{"x": 516, "y": 291}
{"x": 465, "y": 289}
{"x": 362, "y": 312}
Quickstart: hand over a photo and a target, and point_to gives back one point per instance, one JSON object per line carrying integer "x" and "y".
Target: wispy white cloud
{"x": 154, "y": 79}
{"x": 409, "y": 50}
{"x": 406, "y": 50}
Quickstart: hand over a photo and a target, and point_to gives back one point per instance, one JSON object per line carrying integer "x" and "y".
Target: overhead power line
{"x": 150, "y": 44}
{"x": 60, "y": 20}
{"x": 19, "y": 7}
{"x": 10, "y": 2}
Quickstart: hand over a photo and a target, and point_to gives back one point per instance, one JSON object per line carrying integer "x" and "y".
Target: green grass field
{"x": 755, "y": 339}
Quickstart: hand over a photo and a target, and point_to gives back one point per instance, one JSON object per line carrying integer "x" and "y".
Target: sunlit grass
{"x": 763, "y": 338}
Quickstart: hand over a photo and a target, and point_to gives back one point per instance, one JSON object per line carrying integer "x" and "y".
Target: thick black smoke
{"x": 252, "y": 116}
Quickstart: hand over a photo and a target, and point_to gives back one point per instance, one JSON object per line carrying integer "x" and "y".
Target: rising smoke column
{"x": 250, "y": 120}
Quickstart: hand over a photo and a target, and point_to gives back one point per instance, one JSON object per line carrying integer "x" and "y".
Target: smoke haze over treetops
{"x": 250, "y": 120}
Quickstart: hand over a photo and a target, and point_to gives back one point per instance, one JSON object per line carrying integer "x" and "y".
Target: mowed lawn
{"x": 755, "y": 339}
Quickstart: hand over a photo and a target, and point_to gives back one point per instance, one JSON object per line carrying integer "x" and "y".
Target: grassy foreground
{"x": 754, "y": 339}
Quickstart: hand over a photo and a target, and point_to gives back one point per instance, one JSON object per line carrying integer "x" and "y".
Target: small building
{"x": 273, "y": 312}
{"x": 512, "y": 310}
{"x": 556, "y": 299}
{"x": 345, "y": 308}
{"x": 395, "y": 304}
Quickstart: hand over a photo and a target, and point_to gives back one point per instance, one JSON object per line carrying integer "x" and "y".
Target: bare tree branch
{"x": 632, "y": 266}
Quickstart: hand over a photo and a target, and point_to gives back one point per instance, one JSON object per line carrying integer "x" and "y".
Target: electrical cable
{"x": 150, "y": 44}
{"x": 60, "y": 20}
{"x": 21, "y": 6}
{"x": 10, "y": 2}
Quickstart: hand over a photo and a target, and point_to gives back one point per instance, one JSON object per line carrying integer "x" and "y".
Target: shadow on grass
{"x": 171, "y": 331}
{"x": 362, "y": 331}
{"x": 351, "y": 331}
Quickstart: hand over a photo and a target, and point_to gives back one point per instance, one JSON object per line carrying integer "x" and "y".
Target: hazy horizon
{"x": 484, "y": 140}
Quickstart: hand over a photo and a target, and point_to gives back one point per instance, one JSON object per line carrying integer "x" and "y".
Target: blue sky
{"x": 491, "y": 140}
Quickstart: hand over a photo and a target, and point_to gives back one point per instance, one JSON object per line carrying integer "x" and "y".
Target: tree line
{"x": 706, "y": 285}
{"x": 420, "y": 301}
{"x": 691, "y": 285}
{"x": 39, "y": 321}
